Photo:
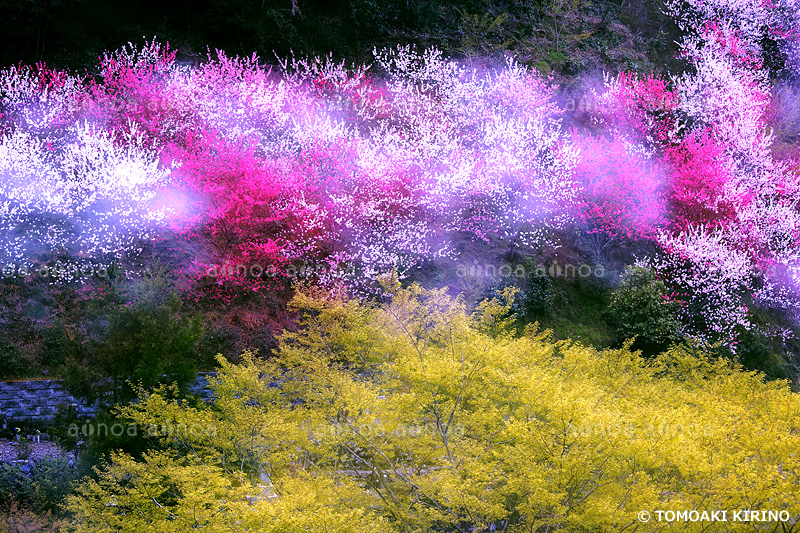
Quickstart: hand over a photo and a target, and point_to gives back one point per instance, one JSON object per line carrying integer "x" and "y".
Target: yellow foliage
{"x": 413, "y": 416}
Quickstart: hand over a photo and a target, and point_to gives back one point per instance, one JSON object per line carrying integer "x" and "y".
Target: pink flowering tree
{"x": 644, "y": 107}
{"x": 734, "y": 210}
{"x": 620, "y": 192}
{"x": 728, "y": 236}
{"x": 701, "y": 171}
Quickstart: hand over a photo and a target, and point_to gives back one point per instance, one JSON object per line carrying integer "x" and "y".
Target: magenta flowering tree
{"x": 728, "y": 238}
{"x": 701, "y": 170}
{"x": 644, "y": 107}
{"x": 621, "y": 192}
{"x": 134, "y": 89}
{"x": 735, "y": 233}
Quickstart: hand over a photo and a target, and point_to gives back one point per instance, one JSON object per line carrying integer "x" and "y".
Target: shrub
{"x": 40, "y": 485}
{"x": 539, "y": 294}
{"x": 145, "y": 342}
{"x": 12, "y": 364}
{"x": 640, "y": 308}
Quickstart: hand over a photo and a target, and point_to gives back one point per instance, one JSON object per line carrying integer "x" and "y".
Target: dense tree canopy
{"x": 414, "y": 416}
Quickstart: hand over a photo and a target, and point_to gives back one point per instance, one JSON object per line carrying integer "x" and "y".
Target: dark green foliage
{"x": 73, "y": 33}
{"x": 216, "y": 340}
{"x": 482, "y": 35}
{"x": 639, "y": 308}
{"x": 60, "y": 428}
{"x": 755, "y": 352}
{"x": 12, "y": 365}
{"x": 41, "y": 485}
{"x": 147, "y": 341}
{"x": 107, "y": 432}
{"x": 59, "y": 344}
{"x": 578, "y": 312}
{"x": 92, "y": 438}
{"x": 770, "y": 346}
{"x": 539, "y": 293}
{"x": 37, "y": 329}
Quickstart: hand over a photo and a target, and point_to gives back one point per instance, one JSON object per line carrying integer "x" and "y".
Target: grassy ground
{"x": 577, "y": 313}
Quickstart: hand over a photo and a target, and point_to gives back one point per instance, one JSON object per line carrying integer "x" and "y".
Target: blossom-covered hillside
{"x": 357, "y": 171}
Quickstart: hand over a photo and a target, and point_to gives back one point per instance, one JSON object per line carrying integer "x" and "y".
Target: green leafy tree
{"x": 145, "y": 342}
{"x": 539, "y": 294}
{"x": 640, "y": 308}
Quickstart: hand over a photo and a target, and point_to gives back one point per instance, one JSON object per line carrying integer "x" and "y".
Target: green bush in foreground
{"x": 440, "y": 421}
{"x": 40, "y": 486}
{"x": 146, "y": 343}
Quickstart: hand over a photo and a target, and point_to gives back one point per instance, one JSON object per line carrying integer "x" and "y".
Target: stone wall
{"x": 199, "y": 386}
{"x": 39, "y": 400}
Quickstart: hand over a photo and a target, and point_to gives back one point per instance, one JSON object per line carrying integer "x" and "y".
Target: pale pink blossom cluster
{"x": 742, "y": 254}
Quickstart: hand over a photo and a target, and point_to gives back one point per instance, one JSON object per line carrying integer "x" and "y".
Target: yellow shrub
{"x": 414, "y": 416}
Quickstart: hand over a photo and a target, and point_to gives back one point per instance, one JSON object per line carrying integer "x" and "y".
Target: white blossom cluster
{"x": 91, "y": 196}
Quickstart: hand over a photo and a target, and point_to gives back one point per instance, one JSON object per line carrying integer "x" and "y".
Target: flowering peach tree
{"x": 396, "y": 164}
